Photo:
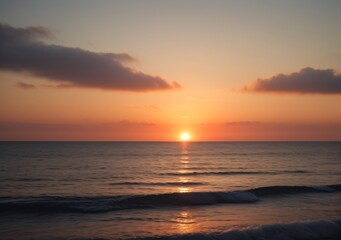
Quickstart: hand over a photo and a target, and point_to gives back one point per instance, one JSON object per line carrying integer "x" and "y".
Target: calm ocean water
{"x": 169, "y": 190}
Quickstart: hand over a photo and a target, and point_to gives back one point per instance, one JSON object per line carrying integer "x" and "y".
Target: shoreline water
{"x": 310, "y": 230}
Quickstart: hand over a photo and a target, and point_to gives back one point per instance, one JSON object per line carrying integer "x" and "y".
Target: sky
{"x": 266, "y": 70}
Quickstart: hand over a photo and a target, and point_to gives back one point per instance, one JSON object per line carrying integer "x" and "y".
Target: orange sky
{"x": 126, "y": 71}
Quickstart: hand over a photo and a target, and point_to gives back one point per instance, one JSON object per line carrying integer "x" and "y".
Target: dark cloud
{"x": 25, "y": 85}
{"x": 11, "y": 36}
{"x": 306, "y": 81}
{"x": 120, "y": 57}
{"x": 22, "y": 51}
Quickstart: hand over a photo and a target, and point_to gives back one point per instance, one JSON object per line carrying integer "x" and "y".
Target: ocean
{"x": 170, "y": 190}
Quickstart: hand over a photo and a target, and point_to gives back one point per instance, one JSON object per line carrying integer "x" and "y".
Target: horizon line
{"x": 140, "y": 141}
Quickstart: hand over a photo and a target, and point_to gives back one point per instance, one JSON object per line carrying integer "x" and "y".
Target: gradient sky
{"x": 149, "y": 70}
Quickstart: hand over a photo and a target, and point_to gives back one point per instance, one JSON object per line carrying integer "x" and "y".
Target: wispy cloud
{"x": 305, "y": 81}
{"x": 25, "y": 85}
{"x": 269, "y": 131}
{"x": 127, "y": 130}
{"x": 22, "y": 49}
{"x": 88, "y": 131}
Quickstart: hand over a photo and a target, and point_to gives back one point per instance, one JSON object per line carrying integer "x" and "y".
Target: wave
{"x": 185, "y": 173}
{"x": 114, "y": 203}
{"x": 299, "y": 230}
{"x": 279, "y": 190}
{"x": 160, "y": 183}
{"x": 106, "y": 204}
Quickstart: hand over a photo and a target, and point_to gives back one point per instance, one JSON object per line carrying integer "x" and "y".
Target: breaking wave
{"x": 60, "y": 204}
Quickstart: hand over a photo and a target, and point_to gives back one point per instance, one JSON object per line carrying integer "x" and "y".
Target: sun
{"x": 185, "y": 137}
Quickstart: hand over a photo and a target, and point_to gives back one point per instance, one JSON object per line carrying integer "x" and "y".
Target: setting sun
{"x": 185, "y": 137}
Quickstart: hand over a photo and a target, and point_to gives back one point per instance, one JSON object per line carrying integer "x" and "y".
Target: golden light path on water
{"x": 183, "y": 168}
{"x": 185, "y": 222}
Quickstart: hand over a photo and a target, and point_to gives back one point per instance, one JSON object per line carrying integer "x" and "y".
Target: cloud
{"x": 268, "y": 131}
{"x": 21, "y": 49}
{"x": 127, "y": 130}
{"x": 124, "y": 130}
{"x": 25, "y": 85}
{"x": 306, "y": 81}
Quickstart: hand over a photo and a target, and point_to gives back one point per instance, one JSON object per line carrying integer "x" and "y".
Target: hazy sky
{"x": 149, "y": 70}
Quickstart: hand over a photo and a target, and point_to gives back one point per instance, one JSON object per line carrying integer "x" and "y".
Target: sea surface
{"x": 170, "y": 190}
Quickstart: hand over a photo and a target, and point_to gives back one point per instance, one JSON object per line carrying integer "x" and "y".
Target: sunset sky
{"x": 266, "y": 70}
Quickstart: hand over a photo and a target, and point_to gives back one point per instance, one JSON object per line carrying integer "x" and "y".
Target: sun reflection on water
{"x": 184, "y": 180}
{"x": 184, "y": 189}
{"x": 185, "y": 223}
{"x": 183, "y": 169}
{"x": 184, "y": 159}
